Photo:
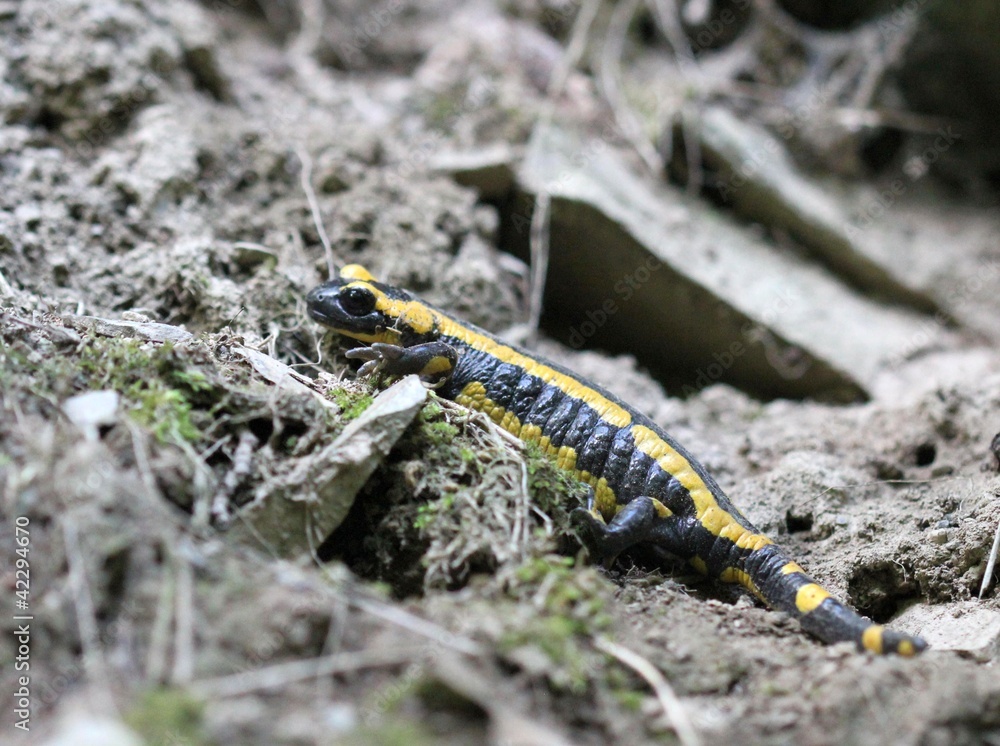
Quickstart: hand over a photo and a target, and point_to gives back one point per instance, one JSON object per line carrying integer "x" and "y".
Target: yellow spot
{"x": 356, "y": 272}
{"x": 734, "y": 575}
{"x": 606, "y": 409}
{"x": 699, "y": 564}
{"x": 789, "y": 567}
{"x": 566, "y": 458}
{"x": 437, "y": 364}
{"x": 409, "y": 313}
{"x": 530, "y": 433}
{"x": 906, "y": 649}
{"x": 661, "y": 510}
{"x": 809, "y": 597}
{"x": 714, "y": 518}
{"x": 871, "y": 639}
{"x": 605, "y": 499}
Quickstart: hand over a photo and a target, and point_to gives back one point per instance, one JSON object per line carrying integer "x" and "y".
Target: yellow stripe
{"x": 789, "y": 567}
{"x": 423, "y": 320}
{"x": 809, "y": 597}
{"x": 474, "y": 396}
{"x": 412, "y": 313}
{"x": 606, "y": 409}
{"x": 871, "y": 639}
{"x": 906, "y": 649}
{"x": 720, "y": 522}
{"x": 356, "y": 272}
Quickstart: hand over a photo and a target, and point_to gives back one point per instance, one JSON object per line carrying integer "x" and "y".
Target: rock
{"x": 698, "y": 299}
{"x": 488, "y": 170}
{"x": 298, "y": 510}
{"x": 151, "y": 332}
{"x": 763, "y": 184}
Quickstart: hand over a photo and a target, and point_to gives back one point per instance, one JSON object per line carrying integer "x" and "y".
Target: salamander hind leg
{"x": 642, "y": 519}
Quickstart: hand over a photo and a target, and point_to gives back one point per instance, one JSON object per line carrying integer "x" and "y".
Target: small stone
{"x": 92, "y": 410}
{"x": 939, "y": 535}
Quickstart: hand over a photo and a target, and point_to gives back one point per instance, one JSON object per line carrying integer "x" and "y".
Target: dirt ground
{"x": 172, "y": 168}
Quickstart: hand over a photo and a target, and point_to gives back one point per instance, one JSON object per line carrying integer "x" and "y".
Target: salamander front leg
{"x": 639, "y": 520}
{"x": 434, "y": 362}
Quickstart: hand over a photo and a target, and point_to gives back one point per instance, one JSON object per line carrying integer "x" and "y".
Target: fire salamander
{"x": 645, "y": 487}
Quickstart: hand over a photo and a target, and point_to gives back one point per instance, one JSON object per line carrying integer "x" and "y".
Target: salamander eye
{"x": 357, "y": 301}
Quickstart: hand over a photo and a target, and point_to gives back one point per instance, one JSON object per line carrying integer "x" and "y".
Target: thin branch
{"x": 306, "y": 178}
{"x": 610, "y": 61}
{"x": 539, "y": 242}
{"x": 405, "y": 620}
{"x": 156, "y": 661}
{"x": 668, "y": 18}
{"x": 184, "y": 631}
{"x": 283, "y": 674}
{"x": 312, "y": 15}
{"x": 86, "y": 617}
{"x": 988, "y": 576}
{"x": 574, "y": 50}
{"x": 673, "y": 709}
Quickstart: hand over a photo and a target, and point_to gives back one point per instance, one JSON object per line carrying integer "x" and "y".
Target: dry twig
{"x": 283, "y": 674}
{"x": 539, "y": 242}
{"x": 307, "y": 187}
{"x": 668, "y": 18}
{"x": 183, "y": 670}
{"x": 673, "y": 709}
{"x": 991, "y": 563}
{"x": 611, "y": 55}
{"x": 86, "y": 617}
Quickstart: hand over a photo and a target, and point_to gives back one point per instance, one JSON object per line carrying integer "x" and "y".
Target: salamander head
{"x": 357, "y": 306}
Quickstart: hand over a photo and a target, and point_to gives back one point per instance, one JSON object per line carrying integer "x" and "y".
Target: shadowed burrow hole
{"x": 262, "y": 428}
{"x": 797, "y": 523}
{"x": 377, "y": 542}
{"x": 835, "y": 15}
{"x": 881, "y": 589}
{"x": 924, "y": 454}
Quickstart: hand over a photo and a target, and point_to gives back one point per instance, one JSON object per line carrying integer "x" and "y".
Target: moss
{"x": 162, "y": 387}
{"x": 397, "y": 733}
{"x": 427, "y": 512}
{"x": 352, "y": 403}
{"x": 630, "y": 699}
{"x": 568, "y": 607}
{"x": 553, "y": 490}
{"x": 167, "y": 716}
